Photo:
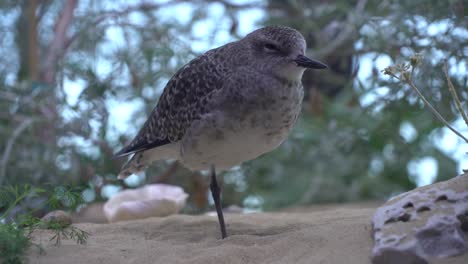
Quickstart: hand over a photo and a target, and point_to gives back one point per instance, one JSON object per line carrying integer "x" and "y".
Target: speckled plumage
{"x": 231, "y": 104}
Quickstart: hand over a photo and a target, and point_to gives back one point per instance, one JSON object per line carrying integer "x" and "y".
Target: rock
{"x": 91, "y": 213}
{"x": 151, "y": 200}
{"x": 57, "y": 216}
{"x": 425, "y": 223}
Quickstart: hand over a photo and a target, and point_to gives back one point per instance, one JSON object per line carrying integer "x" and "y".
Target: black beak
{"x": 303, "y": 61}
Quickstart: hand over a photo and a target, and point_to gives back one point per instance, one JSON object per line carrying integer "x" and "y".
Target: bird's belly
{"x": 226, "y": 141}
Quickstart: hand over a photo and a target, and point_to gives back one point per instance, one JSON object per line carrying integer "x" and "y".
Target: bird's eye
{"x": 271, "y": 47}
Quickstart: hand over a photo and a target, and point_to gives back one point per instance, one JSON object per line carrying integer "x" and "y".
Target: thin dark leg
{"x": 216, "y": 193}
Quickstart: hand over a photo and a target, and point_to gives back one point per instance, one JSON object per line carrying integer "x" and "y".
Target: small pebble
{"x": 58, "y": 216}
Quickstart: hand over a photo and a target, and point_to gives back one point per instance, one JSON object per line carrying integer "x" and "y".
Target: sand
{"x": 321, "y": 234}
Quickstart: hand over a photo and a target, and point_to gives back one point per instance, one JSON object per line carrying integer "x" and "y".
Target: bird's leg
{"x": 216, "y": 193}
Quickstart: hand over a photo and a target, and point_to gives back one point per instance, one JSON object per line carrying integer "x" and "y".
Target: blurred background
{"x": 79, "y": 77}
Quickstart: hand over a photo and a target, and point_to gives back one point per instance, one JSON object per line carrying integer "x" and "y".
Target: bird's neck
{"x": 291, "y": 73}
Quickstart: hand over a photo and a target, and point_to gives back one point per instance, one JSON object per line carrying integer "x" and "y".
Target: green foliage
{"x": 346, "y": 146}
{"x": 65, "y": 232}
{"x": 66, "y": 196}
{"x": 327, "y": 171}
{"x": 11, "y": 196}
{"x": 15, "y": 233}
{"x": 14, "y": 243}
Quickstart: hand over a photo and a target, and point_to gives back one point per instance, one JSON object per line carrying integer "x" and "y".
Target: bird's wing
{"x": 183, "y": 100}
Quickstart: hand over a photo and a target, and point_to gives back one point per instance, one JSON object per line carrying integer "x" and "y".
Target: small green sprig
{"x": 15, "y": 236}
{"x": 404, "y": 73}
{"x": 66, "y": 196}
{"x": 66, "y": 232}
{"x": 11, "y": 196}
{"x": 14, "y": 244}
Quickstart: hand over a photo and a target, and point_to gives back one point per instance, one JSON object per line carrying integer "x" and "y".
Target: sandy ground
{"x": 322, "y": 234}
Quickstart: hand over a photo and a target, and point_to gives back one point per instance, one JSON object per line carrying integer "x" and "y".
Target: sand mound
{"x": 324, "y": 234}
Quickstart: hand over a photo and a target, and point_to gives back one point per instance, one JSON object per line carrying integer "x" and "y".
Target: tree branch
{"x": 57, "y": 46}
{"x": 9, "y": 146}
{"x": 227, "y": 4}
{"x": 32, "y": 41}
{"x": 103, "y": 16}
{"x": 454, "y": 93}
{"x": 345, "y": 34}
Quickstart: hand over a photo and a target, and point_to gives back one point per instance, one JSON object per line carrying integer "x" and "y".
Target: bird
{"x": 229, "y": 105}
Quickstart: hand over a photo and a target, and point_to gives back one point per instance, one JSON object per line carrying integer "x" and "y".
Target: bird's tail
{"x": 141, "y": 160}
{"x": 136, "y": 164}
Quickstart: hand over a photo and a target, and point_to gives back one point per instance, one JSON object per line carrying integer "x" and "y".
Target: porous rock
{"x": 422, "y": 224}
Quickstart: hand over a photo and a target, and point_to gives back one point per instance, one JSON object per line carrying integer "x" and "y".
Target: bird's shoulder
{"x": 187, "y": 93}
{"x": 184, "y": 99}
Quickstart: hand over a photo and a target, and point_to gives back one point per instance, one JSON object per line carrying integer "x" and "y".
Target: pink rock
{"x": 154, "y": 200}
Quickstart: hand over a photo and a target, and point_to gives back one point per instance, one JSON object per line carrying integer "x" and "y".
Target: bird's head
{"x": 280, "y": 50}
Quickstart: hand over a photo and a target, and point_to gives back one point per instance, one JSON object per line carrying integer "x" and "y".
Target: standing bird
{"x": 229, "y": 105}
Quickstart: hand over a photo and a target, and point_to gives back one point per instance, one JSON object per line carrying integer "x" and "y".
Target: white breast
{"x": 225, "y": 141}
